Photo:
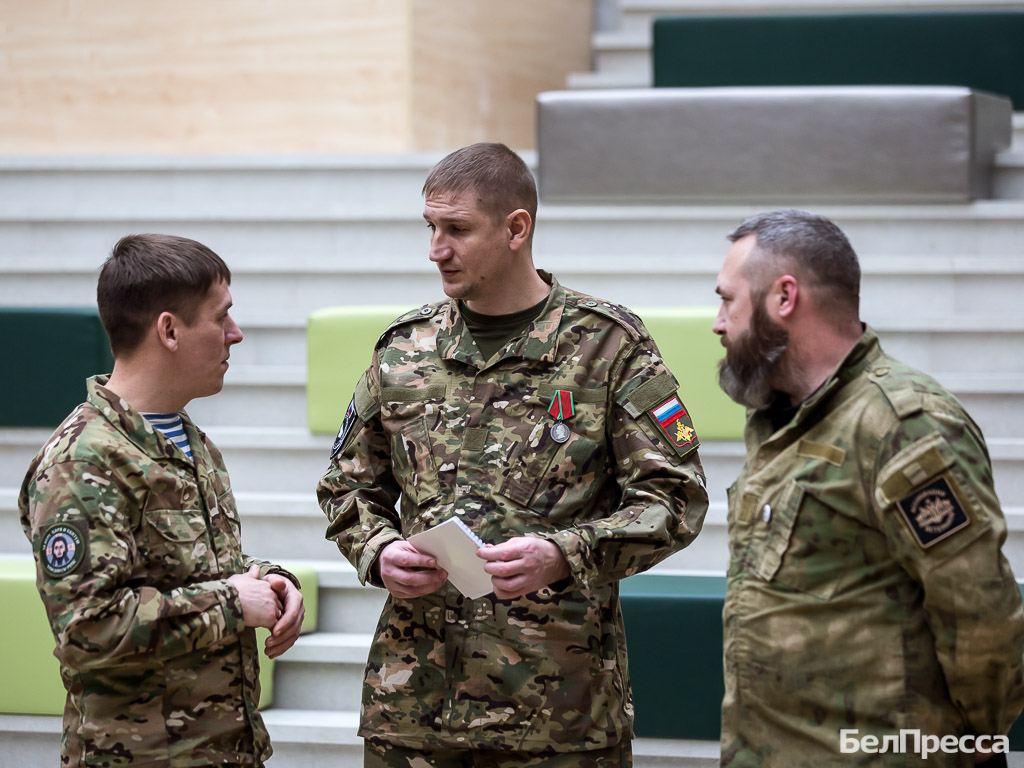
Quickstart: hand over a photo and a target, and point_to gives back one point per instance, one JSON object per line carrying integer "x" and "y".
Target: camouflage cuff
{"x": 577, "y": 554}
{"x": 370, "y": 552}
{"x": 268, "y": 568}
{"x": 231, "y": 607}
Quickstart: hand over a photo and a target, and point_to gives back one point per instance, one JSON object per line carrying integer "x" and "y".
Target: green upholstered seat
{"x": 339, "y": 344}
{"x": 340, "y": 341}
{"x": 29, "y": 670}
{"x": 47, "y": 354}
{"x": 692, "y": 352}
{"x": 982, "y": 50}
{"x": 31, "y": 673}
{"x": 674, "y": 640}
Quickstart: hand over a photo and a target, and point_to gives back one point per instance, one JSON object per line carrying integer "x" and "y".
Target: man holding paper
{"x": 548, "y": 424}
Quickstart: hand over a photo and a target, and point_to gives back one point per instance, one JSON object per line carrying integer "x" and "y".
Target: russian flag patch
{"x": 674, "y": 423}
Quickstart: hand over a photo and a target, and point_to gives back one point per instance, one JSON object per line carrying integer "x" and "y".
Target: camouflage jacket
{"x": 866, "y": 586}
{"x": 158, "y": 666}
{"x": 451, "y": 434}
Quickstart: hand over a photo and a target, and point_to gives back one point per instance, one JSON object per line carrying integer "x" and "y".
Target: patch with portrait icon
{"x": 62, "y": 549}
{"x": 933, "y": 512}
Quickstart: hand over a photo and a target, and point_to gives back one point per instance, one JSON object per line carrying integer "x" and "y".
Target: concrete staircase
{"x": 941, "y": 285}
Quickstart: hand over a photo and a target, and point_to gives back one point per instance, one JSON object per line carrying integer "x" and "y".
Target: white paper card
{"x": 454, "y": 547}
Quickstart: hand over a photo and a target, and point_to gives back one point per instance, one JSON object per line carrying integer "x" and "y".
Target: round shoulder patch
{"x": 61, "y": 550}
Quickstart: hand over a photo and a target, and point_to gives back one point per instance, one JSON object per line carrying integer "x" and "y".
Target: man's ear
{"x": 519, "y": 226}
{"x": 786, "y": 295}
{"x": 167, "y": 325}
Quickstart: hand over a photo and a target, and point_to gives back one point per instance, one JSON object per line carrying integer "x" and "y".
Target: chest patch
{"x": 62, "y": 549}
{"x": 933, "y": 512}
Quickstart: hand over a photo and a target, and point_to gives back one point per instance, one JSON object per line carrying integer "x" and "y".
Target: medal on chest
{"x": 561, "y": 408}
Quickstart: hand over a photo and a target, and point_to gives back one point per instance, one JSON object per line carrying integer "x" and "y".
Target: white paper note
{"x": 454, "y": 547}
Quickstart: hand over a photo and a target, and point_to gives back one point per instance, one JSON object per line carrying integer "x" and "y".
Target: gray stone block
{"x": 768, "y": 145}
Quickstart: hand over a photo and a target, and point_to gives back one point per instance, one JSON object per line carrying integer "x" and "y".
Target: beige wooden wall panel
{"x": 256, "y": 76}
{"x": 479, "y": 64}
{"x": 184, "y": 76}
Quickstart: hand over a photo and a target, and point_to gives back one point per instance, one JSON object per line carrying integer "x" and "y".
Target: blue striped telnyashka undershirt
{"x": 172, "y": 428}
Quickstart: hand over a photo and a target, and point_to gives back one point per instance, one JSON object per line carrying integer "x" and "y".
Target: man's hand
{"x": 260, "y": 606}
{"x": 286, "y": 631}
{"x": 523, "y": 564}
{"x": 408, "y": 573}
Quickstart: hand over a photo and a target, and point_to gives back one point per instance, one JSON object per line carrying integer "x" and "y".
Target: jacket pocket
{"x": 179, "y": 549}
{"x": 406, "y": 412}
{"x": 550, "y": 478}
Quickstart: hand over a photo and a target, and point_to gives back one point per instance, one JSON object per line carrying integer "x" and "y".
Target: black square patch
{"x": 933, "y": 512}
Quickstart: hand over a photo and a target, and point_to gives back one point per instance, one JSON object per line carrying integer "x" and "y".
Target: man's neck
{"x": 144, "y": 390}
{"x": 813, "y": 359}
{"x": 522, "y": 294}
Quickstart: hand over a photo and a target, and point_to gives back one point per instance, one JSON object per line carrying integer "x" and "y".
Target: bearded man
{"x": 870, "y": 614}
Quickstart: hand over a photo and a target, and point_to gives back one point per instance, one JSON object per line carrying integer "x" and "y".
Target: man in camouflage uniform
{"x": 150, "y": 599}
{"x": 867, "y": 591}
{"x": 526, "y": 410}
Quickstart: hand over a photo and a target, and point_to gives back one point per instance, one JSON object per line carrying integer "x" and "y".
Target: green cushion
{"x": 977, "y": 49}
{"x": 47, "y": 355}
{"x": 679, "y": 695}
{"x": 339, "y": 344}
{"x": 340, "y": 341}
{"x": 29, "y": 670}
{"x": 310, "y": 599}
{"x": 31, "y": 673}
{"x": 692, "y": 352}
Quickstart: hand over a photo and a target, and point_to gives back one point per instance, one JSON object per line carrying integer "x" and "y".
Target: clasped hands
{"x": 273, "y": 602}
{"x": 517, "y": 566}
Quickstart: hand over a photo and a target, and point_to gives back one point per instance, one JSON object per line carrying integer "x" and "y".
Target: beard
{"x": 747, "y": 372}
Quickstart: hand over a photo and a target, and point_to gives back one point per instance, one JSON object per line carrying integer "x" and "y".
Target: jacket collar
{"x": 134, "y": 426}
{"x": 538, "y": 342}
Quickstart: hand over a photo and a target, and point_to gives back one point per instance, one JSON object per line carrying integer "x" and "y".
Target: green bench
{"x": 29, "y": 670}
{"x": 47, "y": 353}
{"x": 340, "y": 341}
{"x": 981, "y": 50}
{"x": 674, "y": 640}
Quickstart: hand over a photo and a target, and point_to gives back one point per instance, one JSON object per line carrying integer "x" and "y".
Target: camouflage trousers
{"x": 378, "y": 754}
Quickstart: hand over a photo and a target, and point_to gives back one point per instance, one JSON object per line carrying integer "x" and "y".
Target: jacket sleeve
{"x": 663, "y": 497}
{"x": 358, "y": 493}
{"x": 99, "y": 614}
{"x": 942, "y": 518}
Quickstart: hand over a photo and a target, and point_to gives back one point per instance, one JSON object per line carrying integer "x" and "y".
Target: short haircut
{"x": 813, "y": 247}
{"x": 498, "y": 177}
{"x": 149, "y": 274}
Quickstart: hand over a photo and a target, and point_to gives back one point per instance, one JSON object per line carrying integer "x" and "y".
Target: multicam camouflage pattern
{"x": 158, "y": 666}
{"x": 381, "y": 754}
{"x": 453, "y": 434}
{"x": 836, "y": 616}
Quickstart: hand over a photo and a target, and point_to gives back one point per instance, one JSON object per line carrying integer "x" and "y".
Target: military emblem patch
{"x": 62, "y": 549}
{"x": 674, "y": 423}
{"x": 933, "y": 512}
{"x": 346, "y": 427}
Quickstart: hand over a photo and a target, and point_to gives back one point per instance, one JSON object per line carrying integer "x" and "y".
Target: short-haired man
{"x": 867, "y": 594}
{"x": 153, "y": 604}
{"x": 528, "y": 412}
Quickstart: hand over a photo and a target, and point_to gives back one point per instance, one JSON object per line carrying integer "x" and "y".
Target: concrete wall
{"x": 241, "y": 76}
